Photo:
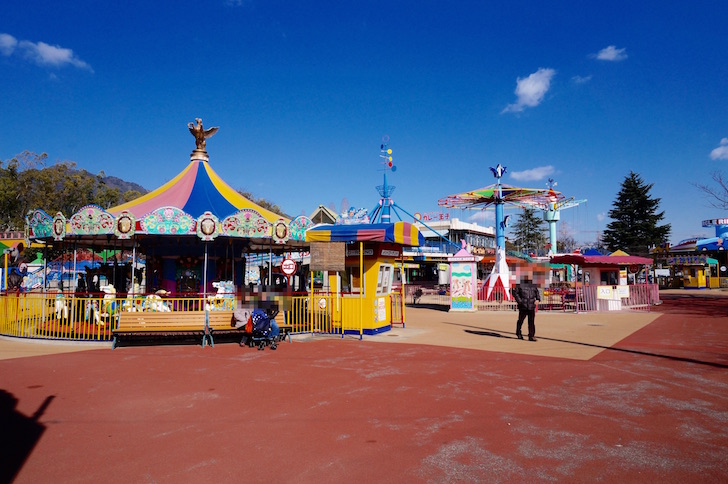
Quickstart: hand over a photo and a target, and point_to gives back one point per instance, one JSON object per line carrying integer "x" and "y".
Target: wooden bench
{"x": 178, "y": 323}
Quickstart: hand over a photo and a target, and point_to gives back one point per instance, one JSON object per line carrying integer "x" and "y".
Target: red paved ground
{"x": 653, "y": 408}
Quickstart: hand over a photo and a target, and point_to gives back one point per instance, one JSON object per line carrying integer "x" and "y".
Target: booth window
{"x": 353, "y": 277}
{"x": 609, "y": 278}
{"x": 384, "y": 279}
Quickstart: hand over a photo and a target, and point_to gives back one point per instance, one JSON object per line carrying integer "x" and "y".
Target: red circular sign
{"x": 288, "y": 267}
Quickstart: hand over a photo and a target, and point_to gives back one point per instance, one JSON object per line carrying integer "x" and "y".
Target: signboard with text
{"x": 328, "y": 256}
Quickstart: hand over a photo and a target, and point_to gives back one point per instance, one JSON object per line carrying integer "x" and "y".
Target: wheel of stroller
{"x": 261, "y": 346}
{"x": 273, "y": 346}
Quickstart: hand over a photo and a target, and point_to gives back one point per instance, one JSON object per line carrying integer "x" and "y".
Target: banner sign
{"x": 688, "y": 260}
{"x": 328, "y": 256}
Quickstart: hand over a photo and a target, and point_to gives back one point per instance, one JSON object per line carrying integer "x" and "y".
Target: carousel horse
{"x": 15, "y": 281}
{"x": 18, "y": 268}
{"x": 155, "y": 303}
{"x": 61, "y": 307}
{"x": 109, "y": 302}
{"x": 224, "y": 298}
{"x": 133, "y": 303}
{"x": 92, "y": 313}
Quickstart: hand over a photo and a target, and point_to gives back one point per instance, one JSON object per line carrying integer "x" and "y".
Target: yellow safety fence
{"x": 330, "y": 313}
{"x": 67, "y": 316}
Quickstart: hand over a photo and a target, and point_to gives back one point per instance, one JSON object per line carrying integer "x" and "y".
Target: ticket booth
{"x": 370, "y": 259}
{"x": 696, "y": 271}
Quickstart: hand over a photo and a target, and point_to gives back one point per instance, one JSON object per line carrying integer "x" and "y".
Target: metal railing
{"x": 73, "y": 317}
{"x": 397, "y": 305}
{"x": 427, "y": 294}
{"x": 334, "y": 313}
{"x": 88, "y": 317}
{"x": 641, "y": 297}
{"x": 68, "y": 316}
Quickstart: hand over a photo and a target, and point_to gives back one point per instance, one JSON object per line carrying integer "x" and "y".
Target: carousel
{"x": 180, "y": 247}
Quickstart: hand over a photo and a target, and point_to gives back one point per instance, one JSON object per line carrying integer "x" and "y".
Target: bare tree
{"x": 717, "y": 196}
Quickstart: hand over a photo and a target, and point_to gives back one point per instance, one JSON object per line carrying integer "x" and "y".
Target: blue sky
{"x": 304, "y": 91}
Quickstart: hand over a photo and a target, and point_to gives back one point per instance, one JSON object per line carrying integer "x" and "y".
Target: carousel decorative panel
{"x": 208, "y": 226}
{"x": 125, "y": 225}
{"x": 40, "y": 224}
{"x": 92, "y": 220}
{"x": 281, "y": 232}
{"x": 299, "y": 226}
{"x": 246, "y": 223}
{"x": 168, "y": 221}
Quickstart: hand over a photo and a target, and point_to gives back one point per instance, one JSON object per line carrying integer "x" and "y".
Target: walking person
{"x": 526, "y": 294}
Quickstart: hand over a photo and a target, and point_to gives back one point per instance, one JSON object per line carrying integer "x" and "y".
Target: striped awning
{"x": 403, "y": 233}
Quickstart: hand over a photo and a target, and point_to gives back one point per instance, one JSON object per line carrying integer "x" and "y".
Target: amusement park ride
{"x": 500, "y": 195}
{"x": 552, "y": 213}
{"x": 382, "y": 212}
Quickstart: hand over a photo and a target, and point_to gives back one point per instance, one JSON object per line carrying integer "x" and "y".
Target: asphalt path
{"x": 617, "y": 397}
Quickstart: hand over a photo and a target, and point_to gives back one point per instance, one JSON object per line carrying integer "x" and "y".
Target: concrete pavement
{"x": 618, "y": 397}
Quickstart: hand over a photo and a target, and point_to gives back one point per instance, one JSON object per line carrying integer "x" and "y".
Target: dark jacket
{"x": 526, "y": 294}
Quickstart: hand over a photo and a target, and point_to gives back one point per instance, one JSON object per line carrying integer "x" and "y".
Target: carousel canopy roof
{"x": 403, "y": 233}
{"x": 195, "y": 190}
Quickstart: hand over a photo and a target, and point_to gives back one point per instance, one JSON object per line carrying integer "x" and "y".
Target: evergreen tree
{"x": 528, "y": 231}
{"x": 635, "y": 219}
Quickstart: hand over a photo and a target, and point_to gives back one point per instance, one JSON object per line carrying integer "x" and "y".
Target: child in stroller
{"x": 259, "y": 327}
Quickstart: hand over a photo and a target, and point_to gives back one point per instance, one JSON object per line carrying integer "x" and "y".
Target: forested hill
{"x": 123, "y": 185}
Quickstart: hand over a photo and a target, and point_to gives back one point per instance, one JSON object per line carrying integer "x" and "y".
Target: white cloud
{"x": 581, "y": 79}
{"x": 601, "y": 216}
{"x": 538, "y": 173}
{"x": 611, "y": 53}
{"x": 41, "y": 53}
{"x": 721, "y": 152}
{"x": 531, "y": 90}
{"x": 7, "y": 44}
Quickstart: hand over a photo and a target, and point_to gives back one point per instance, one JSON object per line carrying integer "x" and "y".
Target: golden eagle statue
{"x": 200, "y": 133}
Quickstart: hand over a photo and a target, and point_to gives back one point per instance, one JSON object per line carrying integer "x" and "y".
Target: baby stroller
{"x": 259, "y": 327}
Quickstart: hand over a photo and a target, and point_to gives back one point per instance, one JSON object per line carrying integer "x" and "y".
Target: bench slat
{"x": 160, "y": 324}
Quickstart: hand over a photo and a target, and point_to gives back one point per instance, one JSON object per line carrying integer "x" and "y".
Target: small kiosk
{"x": 696, "y": 271}
{"x": 608, "y": 273}
{"x": 371, "y": 252}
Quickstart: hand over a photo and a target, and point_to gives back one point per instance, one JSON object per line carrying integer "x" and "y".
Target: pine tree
{"x": 635, "y": 219}
{"x": 528, "y": 231}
